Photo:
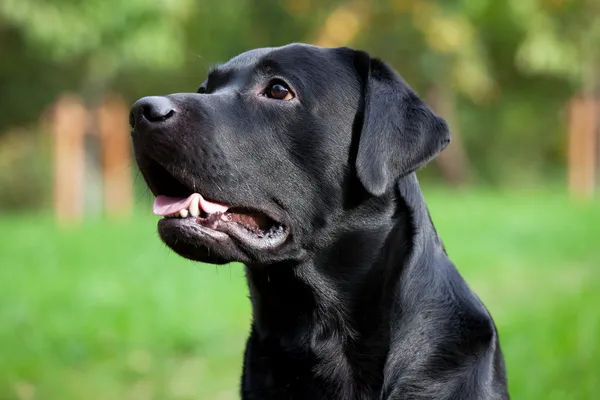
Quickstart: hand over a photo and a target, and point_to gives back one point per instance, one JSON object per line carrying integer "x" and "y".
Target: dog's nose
{"x": 152, "y": 109}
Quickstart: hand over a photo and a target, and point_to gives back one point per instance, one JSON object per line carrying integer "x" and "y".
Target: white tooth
{"x": 183, "y": 213}
{"x": 195, "y": 208}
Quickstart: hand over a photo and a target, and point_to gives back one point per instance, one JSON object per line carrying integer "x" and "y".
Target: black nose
{"x": 151, "y": 109}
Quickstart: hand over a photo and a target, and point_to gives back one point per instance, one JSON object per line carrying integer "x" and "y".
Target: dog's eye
{"x": 279, "y": 91}
{"x": 202, "y": 88}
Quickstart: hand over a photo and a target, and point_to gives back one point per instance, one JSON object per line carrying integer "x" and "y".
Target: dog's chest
{"x": 277, "y": 373}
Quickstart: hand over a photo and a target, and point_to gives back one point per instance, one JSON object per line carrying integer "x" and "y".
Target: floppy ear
{"x": 399, "y": 134}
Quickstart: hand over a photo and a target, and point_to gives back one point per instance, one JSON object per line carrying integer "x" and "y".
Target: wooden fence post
{"x": 113, "y": 120}
{"x": 68, "y": 125}
{"x": 583, "y": 128}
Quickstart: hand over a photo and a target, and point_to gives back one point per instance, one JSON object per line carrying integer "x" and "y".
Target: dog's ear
{"x": 400, "y": 133}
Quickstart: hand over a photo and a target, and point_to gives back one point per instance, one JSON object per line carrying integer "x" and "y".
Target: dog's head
{"x": 275, "y": 147}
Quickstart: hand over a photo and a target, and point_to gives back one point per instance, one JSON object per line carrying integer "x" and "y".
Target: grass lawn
{"x": 105, "y": 311}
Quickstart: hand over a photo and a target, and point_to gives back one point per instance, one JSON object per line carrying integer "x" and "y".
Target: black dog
{"x": 300, "y": 162}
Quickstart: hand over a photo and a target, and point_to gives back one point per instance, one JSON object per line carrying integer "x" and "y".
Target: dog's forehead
{"x": 297, "y": 55}
{"x": 248, "y": 58}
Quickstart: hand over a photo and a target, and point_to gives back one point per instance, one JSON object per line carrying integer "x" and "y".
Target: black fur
{"x": 361, "y": 300}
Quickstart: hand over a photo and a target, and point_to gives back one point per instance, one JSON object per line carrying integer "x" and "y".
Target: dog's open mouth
{"x": 218, "y": 217}
{"x": 202, "y": 229}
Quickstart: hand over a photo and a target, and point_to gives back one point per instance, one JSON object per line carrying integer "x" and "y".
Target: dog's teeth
{"x": 195, "y": 208}
{"x": 226, "y": 217}
{"x": 183, "y": 213}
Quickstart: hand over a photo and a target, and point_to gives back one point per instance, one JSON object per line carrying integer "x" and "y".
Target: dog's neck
{"x": 346, "y": 292}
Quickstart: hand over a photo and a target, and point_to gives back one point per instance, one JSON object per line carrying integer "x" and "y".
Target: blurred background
{"x": 93, "y": 306}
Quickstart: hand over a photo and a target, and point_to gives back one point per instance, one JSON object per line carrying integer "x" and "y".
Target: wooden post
{"x": 113, "y": 120}
{"x": 583, "y": 127}
{"x": 67, "y": 125}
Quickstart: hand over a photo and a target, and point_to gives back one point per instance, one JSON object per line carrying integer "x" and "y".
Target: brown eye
{"x": 279, "y": 91}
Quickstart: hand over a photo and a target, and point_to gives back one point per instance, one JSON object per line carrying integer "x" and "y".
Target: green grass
{"x": 105, "y": 311}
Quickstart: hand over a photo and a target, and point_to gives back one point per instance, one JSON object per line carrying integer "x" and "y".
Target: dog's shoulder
{"x": 444, "y": 342}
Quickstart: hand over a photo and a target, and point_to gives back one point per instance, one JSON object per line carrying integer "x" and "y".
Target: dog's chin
{"x": 218, "y": 242}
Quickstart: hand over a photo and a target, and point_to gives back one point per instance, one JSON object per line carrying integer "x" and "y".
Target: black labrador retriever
{"x": 299, "y": 162}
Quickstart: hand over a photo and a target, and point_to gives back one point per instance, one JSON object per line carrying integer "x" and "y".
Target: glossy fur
{"x": 362, "y": 300}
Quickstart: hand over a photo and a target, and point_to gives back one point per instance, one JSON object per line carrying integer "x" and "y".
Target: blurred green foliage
{"x": 510, "y": 66}
{"x": 25, "y": 167}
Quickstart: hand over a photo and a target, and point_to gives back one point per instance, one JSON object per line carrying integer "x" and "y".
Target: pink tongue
{"x": 165, "y": 205}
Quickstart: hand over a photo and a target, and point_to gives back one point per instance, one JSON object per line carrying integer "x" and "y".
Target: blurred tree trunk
{"x": 584, "y": 129}
{"x": 453, "y": 161}
{"x": 591, "y": 86}
{"x": 597, "y": 97}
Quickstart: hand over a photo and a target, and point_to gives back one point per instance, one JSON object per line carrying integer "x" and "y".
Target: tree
{"x": 562, "y": 38}
{"x": 106, "y": 35}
